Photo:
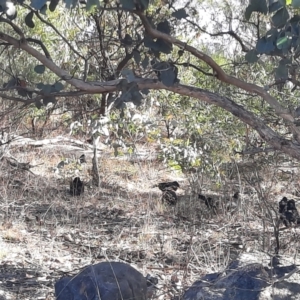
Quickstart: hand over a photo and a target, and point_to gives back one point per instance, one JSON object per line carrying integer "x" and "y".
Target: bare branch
{"x": 17, "y": 99}
{"x": 41, "y": 44}
{"x": 220, "y": 74}
{"x": 14, "y": 26}
{"x": 229, "y": 32}
{"x": 196, "y": 68}
{"x": 271, "y": 137}
{"x": 234, "y": 35}
{"x": 59, "y": 34}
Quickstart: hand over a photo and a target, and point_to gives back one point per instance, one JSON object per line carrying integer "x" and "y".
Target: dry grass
{"x": 45, "y": 232}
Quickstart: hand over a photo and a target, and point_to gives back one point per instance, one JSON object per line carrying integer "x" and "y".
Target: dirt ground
{"x": 45, "y": 233}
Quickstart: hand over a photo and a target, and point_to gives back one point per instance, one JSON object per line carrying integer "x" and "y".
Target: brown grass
{"x": 44, "y": 231}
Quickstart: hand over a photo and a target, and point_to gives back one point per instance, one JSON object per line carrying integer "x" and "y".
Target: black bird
{"x": 169, "y": 197}
{"x": 233, "y": 202}
{"x": 76, "y": 187}
{"x": 283, "y": 205}
{"x": 82, "y": 159}
{"x": 210, "y": 203}
{"x": 236, "y": 196}
{"x": 213, "y": 204}
{"x": 168, "y": 188}
{"x": 288, "y": 212}
{"x": 171, "y": 185}
{"x": 291, "y": 205}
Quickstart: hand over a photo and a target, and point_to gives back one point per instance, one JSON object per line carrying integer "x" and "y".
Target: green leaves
{"x": 158, "y": 46}
{"x": 264, "y": 45}
{"x": 128, "y": 74}
{"x": 280, "y": 17}
{"x": 137, "y": 57}
{"x": 252, "y": 56}
{"x": 40, "y": 69}
{"x": 127, "y": 40}
{"x": 129, "y": 93}
{"x": 90, "y": 4}
{"x": 37, "y": 4}
{"x": 135, "y": 4}
{"x": 164, "y": 27}
{"x": 48, "y": 100}
{"x": 275, "y": 6}
{"x": 47, "y": 89}
{"x": 28, "y": 20}
{"x": 296, "y": 3}
{"x": 145, "y": 62}
{"x": 128, "y": 4}
{"x": 285, "y": 41}
{"x": 180, "y": 14}
{"x": 58, "y": 86}
{"x": 53, "y": 4}
{"x": 281, "y": 72}
{"x": 283, "y": 38}
{"x": 166, "y": 73}
{"x": 256, "y": 6}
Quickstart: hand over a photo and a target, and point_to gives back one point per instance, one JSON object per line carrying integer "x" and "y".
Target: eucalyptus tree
{"x": 130, "y": 47}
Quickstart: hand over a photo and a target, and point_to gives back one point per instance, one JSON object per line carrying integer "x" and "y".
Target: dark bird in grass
{"x": 76, "y": 187}
{"x": 168, "y": 188}
{"x": 210, "y": 203}
{"x": 283, "y": 205}
{"x": 172, "y": 185}
{"x": 213, "y": 204}
{"x": 233, "y": 202}
{"x": 169, "y": 197}
{"x": 236, "y": 196}
{"x": 82, "y": 159}
{"x": 288, "y": 212}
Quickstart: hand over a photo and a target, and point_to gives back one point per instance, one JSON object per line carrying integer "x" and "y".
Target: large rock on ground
{"x": 248, "y": 279}
{"x": 103, "y": 281}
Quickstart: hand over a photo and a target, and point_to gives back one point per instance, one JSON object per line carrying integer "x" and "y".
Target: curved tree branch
{"x": 14, "y": 26}
{"x": 229, "y": 32}
{"x": 47, "y": 54}
{"x": 60, "y": 35}
{"x": 270, "y": 136}
{"x": 220, "y": 73}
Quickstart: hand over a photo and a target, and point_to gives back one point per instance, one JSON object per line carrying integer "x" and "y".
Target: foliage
{"x": 127, "y": 52}
{"x": 282, "y": 39}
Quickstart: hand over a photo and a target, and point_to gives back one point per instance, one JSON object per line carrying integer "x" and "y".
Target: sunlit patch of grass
{"x": 12, "y": 235}
{"x": 3, "y": 251}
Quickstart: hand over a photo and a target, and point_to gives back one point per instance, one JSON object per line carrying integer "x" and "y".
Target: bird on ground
{"x": 236, "y": 196}
{"x": 171, "y": 185}
{"x": 233, "y": 202}
{"x": 82, "y": 159}
{"x": 213, "y": 204}
{"x": 283, "y": 205}
{"x": 169, "y": 197}
{"x": 288, "y": 212}
{"x": 168, "y": 192}
{"x": 76, "y": 187}
{"x": 209, "y": 202}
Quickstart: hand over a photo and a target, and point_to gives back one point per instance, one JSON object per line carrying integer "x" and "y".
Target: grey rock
{"x": 103, "y": 281}
{"x": 252, "y": 281}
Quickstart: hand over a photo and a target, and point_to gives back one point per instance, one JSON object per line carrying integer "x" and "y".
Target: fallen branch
{"x": 21, "y": 166}
{"x": 21, "y": 141}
